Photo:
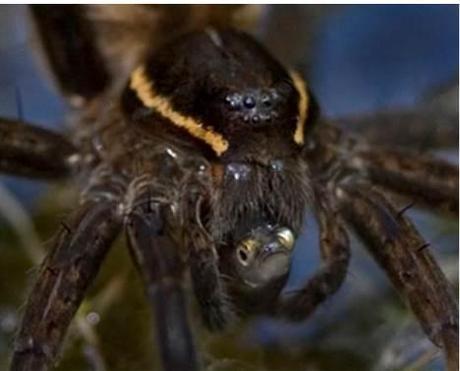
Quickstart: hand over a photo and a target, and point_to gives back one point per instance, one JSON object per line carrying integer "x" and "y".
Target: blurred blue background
{"x": 381, "y": 56}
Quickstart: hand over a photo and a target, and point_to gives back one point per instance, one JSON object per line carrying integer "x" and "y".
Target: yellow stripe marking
{"x": 145, "y": 91}
{"x": 301, "y": 88}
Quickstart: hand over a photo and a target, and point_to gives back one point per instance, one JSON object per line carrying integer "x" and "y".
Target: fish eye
{"x": 242, "y": 256}
{"x": 246, "y": 251}
{"x": 285, "y": 238}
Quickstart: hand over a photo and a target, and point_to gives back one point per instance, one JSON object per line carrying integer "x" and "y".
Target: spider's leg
{"x": 216, "y": 309}
{"x": 432, "y": 124}
{"x": 418, "y": 130}
{"x": 404, "y": 255}
{"x": 30, "y": 151}
{"x": 69, "y": 42}
{"x": 70, "y": 267}
{"x": 335, "y": 255}
{"x": 427, "y": 181}
{"x": 157, "y": 257}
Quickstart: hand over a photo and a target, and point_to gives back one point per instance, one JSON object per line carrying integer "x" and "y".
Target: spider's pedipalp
{"x": 30, "y": 151}
{"x": 429, "y": 182}
{"x": 65, "y": 275}
{"x": 157, "y": 257}
{"x": 335, "y": 255}
{"x": 215, "y": 307}
{"x": 395, "y": 244}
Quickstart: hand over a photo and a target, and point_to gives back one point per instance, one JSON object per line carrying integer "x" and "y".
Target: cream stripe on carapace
{"x": 301, "y": 88}
{"x": 144, "y": 89}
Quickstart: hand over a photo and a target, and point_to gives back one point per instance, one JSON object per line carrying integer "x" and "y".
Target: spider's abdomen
{"x": 220, "y": 89}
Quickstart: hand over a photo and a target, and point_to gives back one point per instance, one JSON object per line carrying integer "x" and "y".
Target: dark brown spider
{"x": 208, "y": 157}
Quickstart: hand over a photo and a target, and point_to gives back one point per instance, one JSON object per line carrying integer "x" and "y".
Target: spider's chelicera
{"x": 208, "y": 159}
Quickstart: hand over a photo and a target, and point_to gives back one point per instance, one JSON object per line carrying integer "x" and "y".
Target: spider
{"x": 207, "y": 156}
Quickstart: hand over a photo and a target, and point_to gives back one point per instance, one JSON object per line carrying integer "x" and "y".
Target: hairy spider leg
{"x": 161, "y": 267}
{"x": 69, "y": 40}
{"x": 30, "y": 151}
{"x": 429, "y": 182}
{"x": 396, "y": 246}
{"x": 428, "y": 125}
{"x": 79, "y": 248}
{"x": 335, "y": 256}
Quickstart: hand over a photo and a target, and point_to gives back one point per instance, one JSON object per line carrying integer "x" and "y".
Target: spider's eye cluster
{"x": 256, "y": 108}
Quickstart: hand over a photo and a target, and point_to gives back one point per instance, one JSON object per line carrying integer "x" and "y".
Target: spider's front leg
{"x": 79, "y": 249}
{"x": 150, "y": 228}
{"x": 31, "y": 151}
{"x": 335, "y": 255}
{"x": 404, "y": 255}
{"x": 164, "y": 231}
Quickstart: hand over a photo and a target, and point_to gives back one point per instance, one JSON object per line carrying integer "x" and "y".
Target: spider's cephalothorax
{"x": 220, "y": 96}
{"x": 208, "y": 160}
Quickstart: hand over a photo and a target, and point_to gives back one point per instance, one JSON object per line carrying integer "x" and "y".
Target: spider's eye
{"x": 285, "y": 238}
{"x": 245, "y": 251}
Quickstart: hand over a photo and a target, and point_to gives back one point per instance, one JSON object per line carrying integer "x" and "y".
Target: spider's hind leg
{"x": 403, "y": 254}
{"x": 30, "y": 151}
{"x": 70, "y": 267}
{"x": 335, "y": 255}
